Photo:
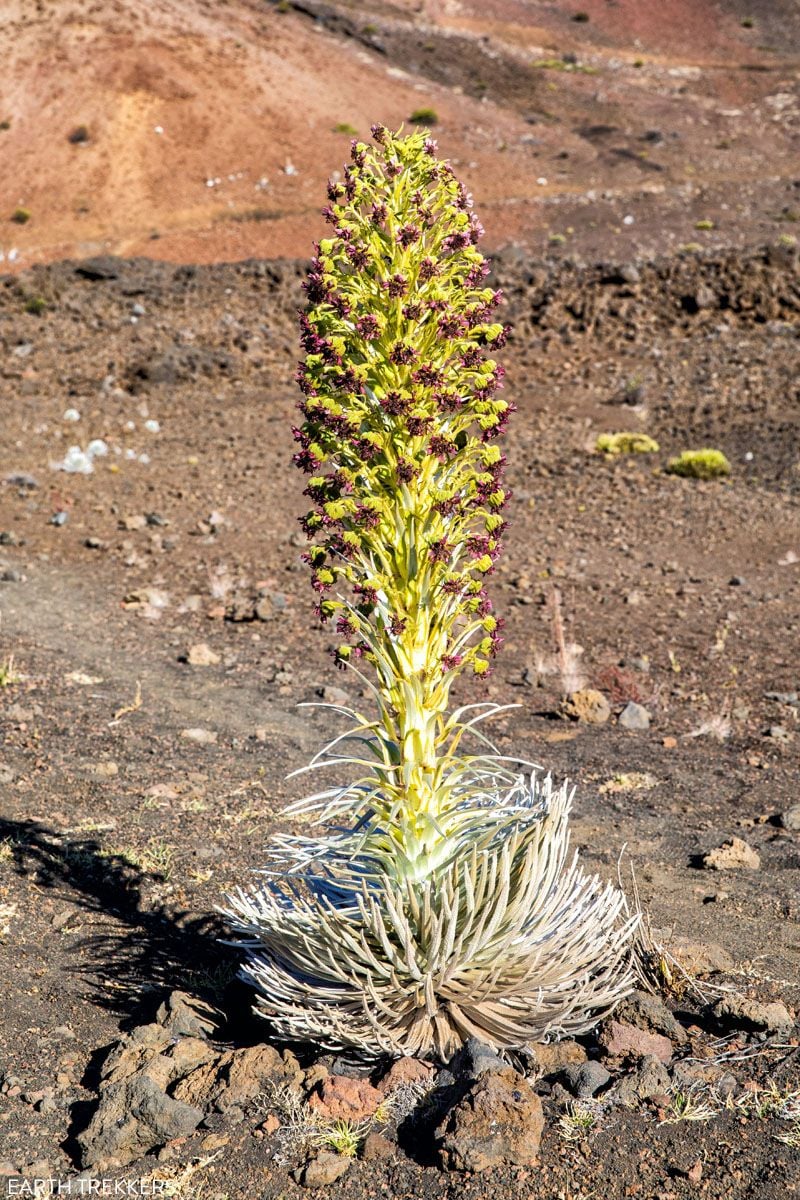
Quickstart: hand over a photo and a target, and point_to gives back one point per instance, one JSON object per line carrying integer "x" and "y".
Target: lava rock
{"x": 739, "y": 1012}
{"x": 405, "y": 1070}
{"x": 620, "y": 1040}
{"x": 339, "y": 1097}
{"x": 650, "y": 1078}
{"x": 324, "y": 1169}
{"x": 584, "y": 1079}
{"x": 733, "y": 855}
{"x": 791, "y": 818}
{"x": 376, "y": 1147}
{"x": 236, "y": 1077}
{"x": 133, "y": 1118}
{"x": 185, "y": 1016}
{"x": 586, "y": 705}
{"x": 701, "y": 958}
{"x": 498, "y": 1122}
{"x": 475, "y": 1059}
{"x": 651, "y": 1013}
{"x": 634, "y": 716}
{"x": 553, "y": 1057}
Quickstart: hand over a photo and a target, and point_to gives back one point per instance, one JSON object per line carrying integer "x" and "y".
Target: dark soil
{"x": 119, "y": 835}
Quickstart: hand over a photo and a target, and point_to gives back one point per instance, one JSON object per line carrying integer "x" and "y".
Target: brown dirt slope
{"x": 209, "y": 128}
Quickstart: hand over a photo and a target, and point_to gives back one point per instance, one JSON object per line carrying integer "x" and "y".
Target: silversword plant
{"x": 441, "y": 902}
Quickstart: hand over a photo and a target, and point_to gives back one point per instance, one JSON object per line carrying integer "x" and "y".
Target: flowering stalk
{"x": 443, "y": 903}
{"x": 401, "y": 413}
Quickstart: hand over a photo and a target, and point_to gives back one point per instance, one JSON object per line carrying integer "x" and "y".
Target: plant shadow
{"x": 146, "y": 949}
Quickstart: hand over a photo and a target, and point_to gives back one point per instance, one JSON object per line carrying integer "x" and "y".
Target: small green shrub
{"x": 5, "y": 124}
{"x": 79, "y": 135}
{"x": 704, "y": 224}
{"x": 424, "y": 116}
{"x": 345, "y": 127}
{"x": 36, "y": 305}
{"x": 747, "y": 22}
{"x": 699, "y": 464}
{"x": 21, "y": 216}
{"x": 626, "y": 443}
{"x": 563, "y": 64}
{"x": 580, "y": 17}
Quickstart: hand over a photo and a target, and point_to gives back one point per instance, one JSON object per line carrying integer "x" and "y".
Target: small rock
{"x": 314, "y": 1075}
{"x": 650, "y": 1078}
{"x": 779, "y": 733}
{"x": 740, "y": 1012}
{"x": 584, "y": 1079}
{"x": 792, "y": 699}
{"x": 620, "y": 1040}
{"x": 270, "y": 1125}
{"x": 701, "y": 958}
{"x": 552, "y": 1057}
{"x": 39, "y": 1168}
{"x": 215, "y": 1141}
{"x": 7, "y": 774}
{"x": 186, "y": 1016}
{"x": 132, "y": 523}
{"x": 375, "y": 1147}
{"x": 341, "y": 1098}
{"x": 405, "y": 1070}
{"x": 11, "y": 575}
{"x": 334, "y": 695}
{"x": 103, "y": 769}
{"x": 634, "y": 716}
{"x": 733, "y": 855}
{"x": 695, "y": 1172}
{"x": 201, "y": 655}
{"x": 497, "y": 1123}
{"x": 324, "y": 1169}
{"x": 650, "y": 1012}
{"x": 688, "y": 1075}
{"x": 789, "y": 819}
{"x": 475, "y": 1059}
{"x": 586, "y": 705}
{"x": 203, "y": 737}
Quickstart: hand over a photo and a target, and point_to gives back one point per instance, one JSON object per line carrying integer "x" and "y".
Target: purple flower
{"x": 406, "y": 471}
{"x": 439, "y": 551}
{"x": 395, "y": 285}
{"x": 394, "y": 404}
{"x": 426, "y": 375}
{"x": 455, "y": 241}
{"x": 417, "y": 426}
{"x": 441, "y": 446}
{"x": 407, "y": 235}
{"x": 369, "y": 327}
{"x": 402, "y": 354}
{"x": 428, "y": 268}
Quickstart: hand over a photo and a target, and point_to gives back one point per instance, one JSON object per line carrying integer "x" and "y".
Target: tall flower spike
{"x": 443, "y": 905}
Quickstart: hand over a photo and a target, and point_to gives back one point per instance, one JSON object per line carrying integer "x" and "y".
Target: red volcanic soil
{"x": 200, "y": 131}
